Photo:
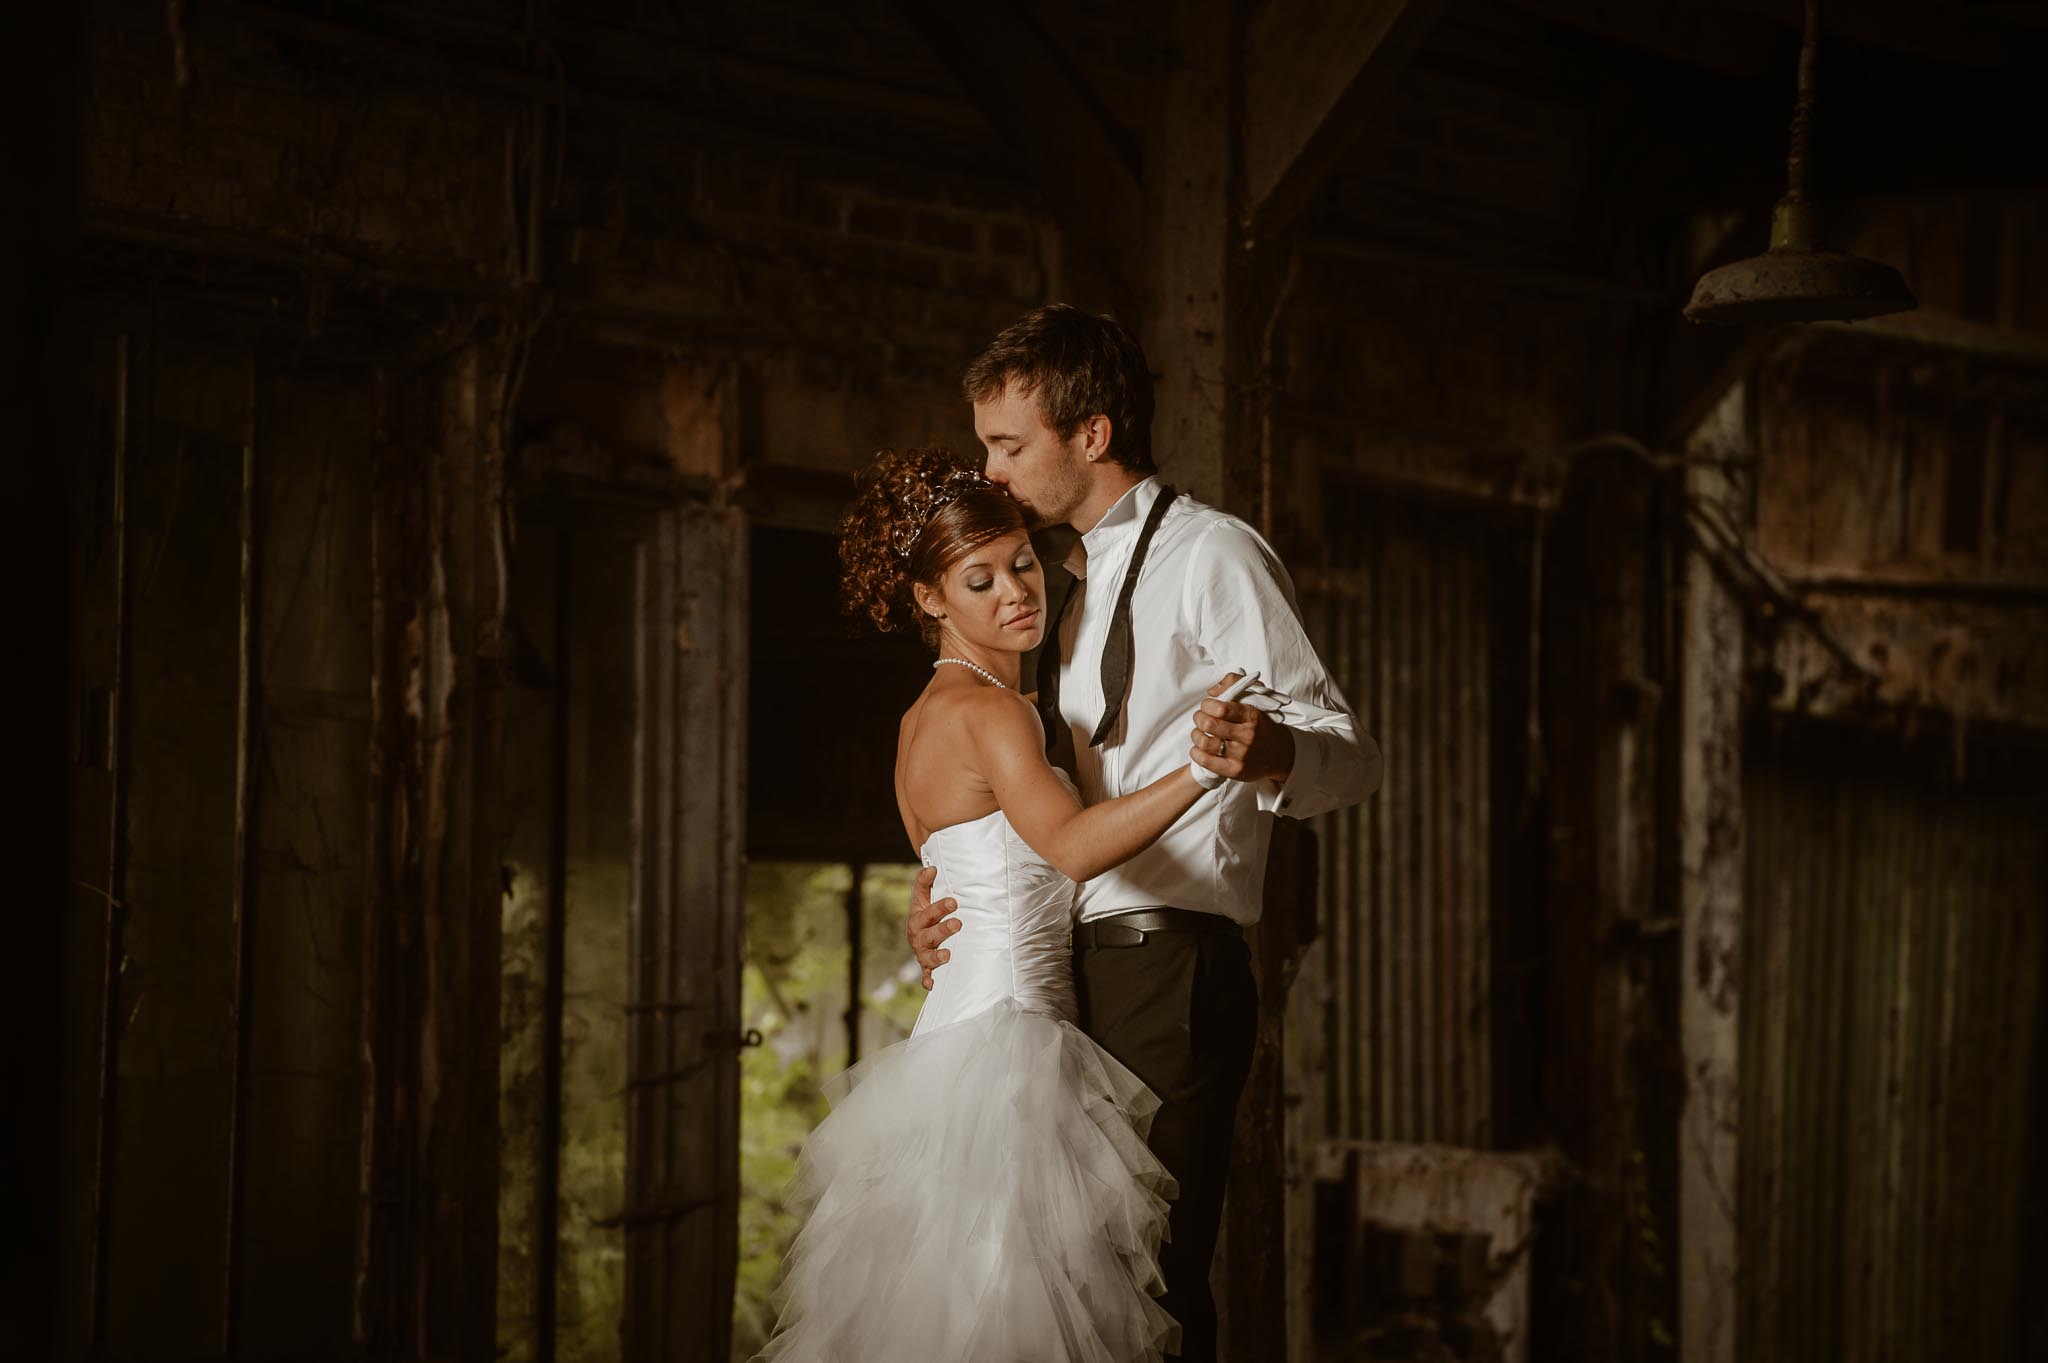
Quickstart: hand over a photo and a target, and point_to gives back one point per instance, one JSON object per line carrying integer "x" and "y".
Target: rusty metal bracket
{"x": 655, "y": 1213}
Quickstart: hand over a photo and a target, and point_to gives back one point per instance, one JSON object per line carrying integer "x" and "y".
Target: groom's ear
{"x": 1095, "y": 434}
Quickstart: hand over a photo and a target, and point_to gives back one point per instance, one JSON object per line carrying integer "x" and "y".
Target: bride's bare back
{"x": 939, "y": 776}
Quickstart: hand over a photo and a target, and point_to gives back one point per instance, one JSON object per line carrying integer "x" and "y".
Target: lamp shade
{"x": 1788, "y": 285}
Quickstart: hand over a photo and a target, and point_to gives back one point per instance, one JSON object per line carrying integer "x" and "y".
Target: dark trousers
{"x": 1181, "y": 1010}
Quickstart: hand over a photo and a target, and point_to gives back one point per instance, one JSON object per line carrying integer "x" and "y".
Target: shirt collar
{"x": 1120, "y": 521}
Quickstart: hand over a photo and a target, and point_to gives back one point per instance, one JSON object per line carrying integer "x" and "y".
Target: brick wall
{"x": 846, "y": 246}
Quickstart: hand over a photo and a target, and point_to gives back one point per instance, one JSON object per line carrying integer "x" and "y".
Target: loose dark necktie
{"x": 1116, "y": 648}
{"x": 1049, "y": 667}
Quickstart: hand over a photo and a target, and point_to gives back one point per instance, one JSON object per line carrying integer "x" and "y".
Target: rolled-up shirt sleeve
{"x": 1243, "y": 609}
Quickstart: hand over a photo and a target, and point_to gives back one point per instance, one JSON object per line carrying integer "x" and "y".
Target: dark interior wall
{"x": 43, "y": 65}
{"x": 1490, "y": 278}
{"x": 698, "y": 249}
{"x": 825, "y": 691}
{"x": 213, "y": 983}
{"x": 797, "y": 189}
{"x": 1456, "y": 314}
{"x": 717, "y": 255}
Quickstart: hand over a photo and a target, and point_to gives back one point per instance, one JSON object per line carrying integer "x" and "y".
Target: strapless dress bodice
{"x": 1016, "y": 924}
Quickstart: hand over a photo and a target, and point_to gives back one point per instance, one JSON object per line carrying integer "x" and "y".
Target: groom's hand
{"x": 1239, "y": 742}
{"x": 925, "y": 928}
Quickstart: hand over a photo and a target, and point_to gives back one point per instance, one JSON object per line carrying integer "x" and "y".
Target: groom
{"x": 1168, "y": 594}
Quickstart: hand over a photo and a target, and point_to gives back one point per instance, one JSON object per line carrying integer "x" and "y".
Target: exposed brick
{"x": 1009, "y": 239}
{"x": 989, "y": 280}
{"x": 942, "y": 231}
{"x": 810, "y": 207}
{"x": 884, "y": 260}
{"x": 879, "y": 220}
{"x": 727, "y": 190}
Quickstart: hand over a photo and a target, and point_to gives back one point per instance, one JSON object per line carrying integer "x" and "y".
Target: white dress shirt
{"x": 1212, "y": 596}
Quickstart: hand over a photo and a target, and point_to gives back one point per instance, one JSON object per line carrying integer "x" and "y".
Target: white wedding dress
{"x": 981, "y": 1192}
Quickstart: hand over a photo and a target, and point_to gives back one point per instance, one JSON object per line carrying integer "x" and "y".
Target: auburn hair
{"x": 890, "y": 540}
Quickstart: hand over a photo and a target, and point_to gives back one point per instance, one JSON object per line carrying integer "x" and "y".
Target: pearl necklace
{"x": 975, "y": 667}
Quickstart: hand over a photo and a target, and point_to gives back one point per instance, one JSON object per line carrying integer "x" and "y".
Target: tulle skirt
{"x": 981, "y": 1193}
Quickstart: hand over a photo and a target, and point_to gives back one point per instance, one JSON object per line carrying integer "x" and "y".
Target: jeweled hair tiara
{"x": 918, "y": 501}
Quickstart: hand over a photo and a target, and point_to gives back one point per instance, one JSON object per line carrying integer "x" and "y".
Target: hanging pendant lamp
{"x": 1793, "y": 281}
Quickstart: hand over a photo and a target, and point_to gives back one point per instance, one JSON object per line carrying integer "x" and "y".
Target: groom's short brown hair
{"x": 1080, "y": 366}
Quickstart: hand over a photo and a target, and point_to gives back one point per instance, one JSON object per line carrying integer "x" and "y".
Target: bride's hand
{"x": 929, "y": 925}
{"x": 1236, "y": 737}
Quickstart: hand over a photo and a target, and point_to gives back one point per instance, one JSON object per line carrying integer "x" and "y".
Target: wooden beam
{"x": 1604, "y": 706}
{"x": 1193, "y": 255}
{"x": 1945, "y": 331}
{"x": 1313, "y": 75}
{"x": 1710, "y": 836}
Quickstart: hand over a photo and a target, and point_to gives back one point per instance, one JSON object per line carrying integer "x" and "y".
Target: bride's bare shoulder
{"x": 995, "y": 703}
{"x": 957, "y": 714}
{"x": 968, "y": 701}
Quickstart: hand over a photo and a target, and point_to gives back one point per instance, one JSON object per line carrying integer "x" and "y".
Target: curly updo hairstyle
{"x": 891, "y": 540}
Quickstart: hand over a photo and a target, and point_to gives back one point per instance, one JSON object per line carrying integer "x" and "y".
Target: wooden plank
{"x": 703, "y": 939}
{"x": 426, "y": 1256}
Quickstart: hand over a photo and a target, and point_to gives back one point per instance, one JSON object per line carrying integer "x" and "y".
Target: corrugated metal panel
{"x": 1894, "y": 940}
{"x": 1403, "y": 621}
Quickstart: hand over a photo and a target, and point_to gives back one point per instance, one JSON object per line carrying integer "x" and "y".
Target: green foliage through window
{"x": 795, "y": 990}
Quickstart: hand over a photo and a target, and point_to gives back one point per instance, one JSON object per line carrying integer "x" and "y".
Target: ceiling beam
{"x": 1718, "y": 40}
{"x": 1751, "y": 37}
{"x": 1959, "y": 35}
{"x": 1313, "y": 74}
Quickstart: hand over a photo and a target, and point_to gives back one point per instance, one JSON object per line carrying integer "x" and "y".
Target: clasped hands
{"x": 1232, "y": 740}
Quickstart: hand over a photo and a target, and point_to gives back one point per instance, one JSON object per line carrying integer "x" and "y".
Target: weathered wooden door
{"x": 219, "y": 808}
{"x": 300, "y": 726}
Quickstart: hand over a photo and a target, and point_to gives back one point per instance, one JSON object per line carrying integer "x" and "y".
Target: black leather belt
{"x": 1128, "y": 929}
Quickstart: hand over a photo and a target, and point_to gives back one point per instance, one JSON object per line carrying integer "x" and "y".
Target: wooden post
{"x": 1603, "y": 939}
{"x": 1190, "y": 239}
{"x": 427, "y": 1239}
{"x": 1710, "y": 904}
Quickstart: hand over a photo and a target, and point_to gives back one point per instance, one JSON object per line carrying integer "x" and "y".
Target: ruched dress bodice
{"x": 1016, "y": 924}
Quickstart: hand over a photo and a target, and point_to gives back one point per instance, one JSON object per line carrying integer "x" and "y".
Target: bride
{"x": 982, "y": 1190}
